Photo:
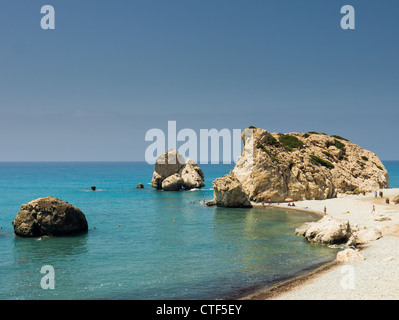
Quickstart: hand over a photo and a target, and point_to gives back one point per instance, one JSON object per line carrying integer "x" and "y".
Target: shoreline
{"x": 373, "y": 278}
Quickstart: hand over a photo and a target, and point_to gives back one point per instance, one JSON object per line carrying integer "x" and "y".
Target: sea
{"x": 146, "y": 244}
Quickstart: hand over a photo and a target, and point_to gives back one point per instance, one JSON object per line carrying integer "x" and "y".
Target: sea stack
{"x": 49, "y": 217}
{"x": 301, "y": 166}
{"x": 172, "y": 173}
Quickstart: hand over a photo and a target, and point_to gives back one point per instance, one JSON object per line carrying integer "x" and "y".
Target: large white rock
{"x": 363, "y": 235}
{"x": 327, "y": 230}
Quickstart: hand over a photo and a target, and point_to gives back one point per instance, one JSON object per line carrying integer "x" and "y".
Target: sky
{"x": 90, "y": 89}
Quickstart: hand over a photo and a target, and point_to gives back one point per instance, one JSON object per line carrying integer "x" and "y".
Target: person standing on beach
{"x": 373, "y": 210}
{"x": 375, "y": 194}
{"x": 325, "y": 210}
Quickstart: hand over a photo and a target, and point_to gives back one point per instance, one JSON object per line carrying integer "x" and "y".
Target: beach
{"x": 374, "y": 278}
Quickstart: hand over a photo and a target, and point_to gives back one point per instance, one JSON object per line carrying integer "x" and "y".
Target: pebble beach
{"x": 374, "y": 278}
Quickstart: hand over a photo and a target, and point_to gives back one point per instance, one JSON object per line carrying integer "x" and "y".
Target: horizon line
{"x": 119, "y": 161}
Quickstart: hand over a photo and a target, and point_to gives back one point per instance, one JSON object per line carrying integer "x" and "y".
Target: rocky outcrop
{"x": 228, "y": 192}
{"x": 49, "y": 217}
{"x": 173, "y": 173}
{"x": 305, "y": 166}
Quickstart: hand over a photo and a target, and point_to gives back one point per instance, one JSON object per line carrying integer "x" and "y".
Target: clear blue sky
{"x": 111, "y": 70}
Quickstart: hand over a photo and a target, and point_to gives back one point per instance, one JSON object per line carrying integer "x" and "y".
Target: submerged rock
{"x": 140, "y": 186}
{"x": 49, "y": 217}
{"x": 173, "y": 173}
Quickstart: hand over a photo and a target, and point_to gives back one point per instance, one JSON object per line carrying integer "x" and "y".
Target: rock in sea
{"x": 173, "y": 173}
{"x": 49, "y": 217}
{"x": 228, "y": 192}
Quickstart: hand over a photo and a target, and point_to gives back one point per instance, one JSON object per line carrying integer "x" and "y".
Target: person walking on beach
{"x": 325, "y": 210}
{"x": 373, "y": 210}
{"x": 375, "y": 194}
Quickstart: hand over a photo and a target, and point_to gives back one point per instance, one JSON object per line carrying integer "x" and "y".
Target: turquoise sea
{"x": 144, "y": 243}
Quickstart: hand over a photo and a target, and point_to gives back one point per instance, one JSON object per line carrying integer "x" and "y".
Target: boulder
{"x": 327, "y": 230}
{"x": 49, "y": 217}
{"x": 363, "y": 235}
{"x": 172, "y": 183}
{"x": 169, "y": 163}
{"x": 228, "y": 192}
{"x": 140, "y": 186}
{"x": 349, "y": 255}
{"x": 192, "y": 175}
{"x": 172, "y": 168}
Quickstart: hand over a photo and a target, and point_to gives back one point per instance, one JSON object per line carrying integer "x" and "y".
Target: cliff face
{"x": 305, "y": 166}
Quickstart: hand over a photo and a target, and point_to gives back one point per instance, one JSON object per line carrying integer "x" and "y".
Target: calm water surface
{"x": 165, "y": 246}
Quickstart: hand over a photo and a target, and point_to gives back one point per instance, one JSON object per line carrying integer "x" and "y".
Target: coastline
{"x": 374, "y": 278}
